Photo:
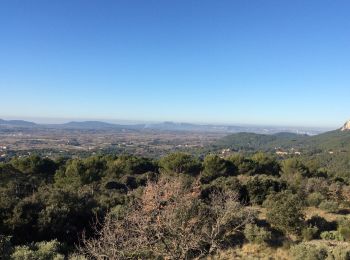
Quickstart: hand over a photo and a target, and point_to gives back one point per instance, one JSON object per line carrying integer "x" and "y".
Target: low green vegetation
{"x": 177, "y": 207}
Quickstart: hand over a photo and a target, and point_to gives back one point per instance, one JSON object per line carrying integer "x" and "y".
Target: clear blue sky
{"x": 252, "y": 62}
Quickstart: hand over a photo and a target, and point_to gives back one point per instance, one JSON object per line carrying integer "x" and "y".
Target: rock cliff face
{"x": 346, "y": 126}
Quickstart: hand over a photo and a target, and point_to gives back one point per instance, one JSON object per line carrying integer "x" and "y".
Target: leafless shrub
{"x": 170, "y": 221}
{"x": 226, "y": 216}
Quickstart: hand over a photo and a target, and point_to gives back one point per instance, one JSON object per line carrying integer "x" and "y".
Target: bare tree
{"x": 226, "y": 215}
{"x": 168, "y": 220}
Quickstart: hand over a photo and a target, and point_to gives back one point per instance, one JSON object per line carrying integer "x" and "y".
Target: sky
{"x": 268, "y": 62}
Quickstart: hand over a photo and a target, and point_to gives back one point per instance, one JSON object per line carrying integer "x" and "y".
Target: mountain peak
{"x": 346, "y": 126}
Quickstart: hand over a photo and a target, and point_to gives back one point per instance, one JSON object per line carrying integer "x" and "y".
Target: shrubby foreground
{"x": 178, "y": 207}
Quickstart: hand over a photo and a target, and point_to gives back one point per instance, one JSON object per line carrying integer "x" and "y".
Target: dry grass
{"x": 312, "y": 211}
{"x": 309, "y": 212}
{"x": 252, "y": 252}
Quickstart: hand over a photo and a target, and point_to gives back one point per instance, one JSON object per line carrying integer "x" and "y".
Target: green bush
{"x": 78, "y": 172}
{"x": 243, "y": 164}
{"x": 180, "y": 163}
{"x": 293, "y": 167}
{"x": 332, "y": 235}
{"x": 309, "y": 233}
{"x": 39, "y": 251}
{"x": 215, "y": 167}
{"x": 285, "y": 212}
{"x": 23, "y": 253}
{"x": 260, "y": 186}
{"x": 314, "y": 199}
{"x": 230, "y": 183}
{"x": 344, "y": 232}
{"x": 77, "y": 257}
{"x": 305, "y": 251}
{"x": 255, "y": 234}
{"x": 329, "y": 206}
{"x": 265, "y": 164}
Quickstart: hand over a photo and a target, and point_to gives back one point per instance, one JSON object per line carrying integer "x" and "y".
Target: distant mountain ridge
{"x": 88, "y": 124}
{"x": 164, "y": 126}
{"x": 17, "y": 123}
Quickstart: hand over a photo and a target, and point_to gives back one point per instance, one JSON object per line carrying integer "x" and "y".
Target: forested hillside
{"x": 330, "y": 141}
{"x": 253, "y": 142}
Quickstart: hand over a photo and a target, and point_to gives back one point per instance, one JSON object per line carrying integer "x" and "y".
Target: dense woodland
{"x": 176, "y": 207}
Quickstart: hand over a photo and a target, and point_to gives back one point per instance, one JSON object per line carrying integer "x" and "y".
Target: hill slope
{"x": 333, "y": 140}
{"x": 17, "y": 123}
{"x": 251, "y": 141}
{"x": 336, "y": 140}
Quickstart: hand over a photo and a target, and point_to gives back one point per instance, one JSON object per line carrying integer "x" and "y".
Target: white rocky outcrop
{"x": 346, "y": 126}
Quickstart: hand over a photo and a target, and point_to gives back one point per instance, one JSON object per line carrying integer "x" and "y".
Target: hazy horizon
{"x": 41, "y": 120}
